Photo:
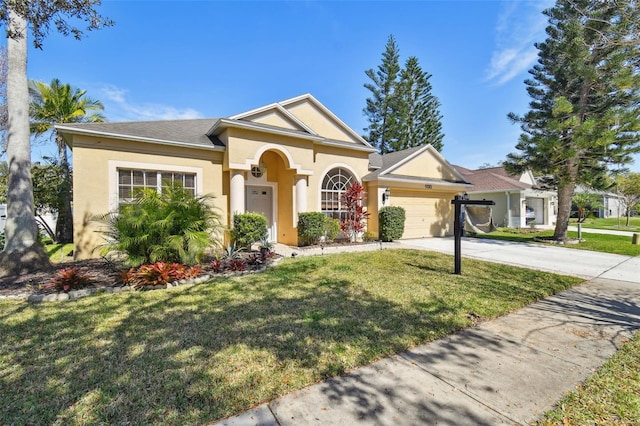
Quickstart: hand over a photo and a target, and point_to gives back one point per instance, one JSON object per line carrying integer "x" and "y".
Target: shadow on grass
{"x": 199, "y": 353}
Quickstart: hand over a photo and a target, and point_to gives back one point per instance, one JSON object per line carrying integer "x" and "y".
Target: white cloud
{"x": 119, "y": 108}
{"x": 520, "y": 25}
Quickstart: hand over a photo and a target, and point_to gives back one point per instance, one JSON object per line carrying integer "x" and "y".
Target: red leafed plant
{"x": 68, "y": 279}
{"x": 159, "y": 273}
{"x": 217, "y": 265}
{"x": 237, "y": 265}
{"x": 355, "y": 221}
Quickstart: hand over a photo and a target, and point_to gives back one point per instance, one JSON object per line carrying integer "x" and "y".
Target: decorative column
{"x": 236, "y": 194}
{"x": 301, "y": 197}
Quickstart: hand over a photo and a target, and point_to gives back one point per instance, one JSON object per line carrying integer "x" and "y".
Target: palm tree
{"x": 58, "y": 103}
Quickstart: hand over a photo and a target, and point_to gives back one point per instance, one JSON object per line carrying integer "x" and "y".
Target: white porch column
{"x": 301, "y": 196}
{"x": 236, "y": 194}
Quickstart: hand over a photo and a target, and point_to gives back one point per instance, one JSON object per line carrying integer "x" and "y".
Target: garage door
{"x": 427, "y": 215}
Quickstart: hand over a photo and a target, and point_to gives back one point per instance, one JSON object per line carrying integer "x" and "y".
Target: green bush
{"x": 331, "y": 228}
{"x": 311, "y": 226}
{"x": 391, "y": 223}
{"x": 173, "y": 226}
{"x": 249, "y": 228}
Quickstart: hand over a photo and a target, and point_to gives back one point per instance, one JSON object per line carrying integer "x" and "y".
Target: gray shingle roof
{"x": 182, "y": 131}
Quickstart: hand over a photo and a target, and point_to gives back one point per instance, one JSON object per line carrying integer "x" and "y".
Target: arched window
{"x": 333, "y": 185}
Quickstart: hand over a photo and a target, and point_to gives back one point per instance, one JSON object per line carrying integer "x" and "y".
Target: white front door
{"x": 260, "y": 200}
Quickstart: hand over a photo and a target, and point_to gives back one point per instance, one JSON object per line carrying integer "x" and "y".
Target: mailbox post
{"x": 458, "y": 201}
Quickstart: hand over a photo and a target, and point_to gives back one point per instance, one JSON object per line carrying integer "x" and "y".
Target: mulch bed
{"x": 101, "y": 272}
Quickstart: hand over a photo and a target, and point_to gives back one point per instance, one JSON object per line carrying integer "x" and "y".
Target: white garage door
{"x": 427, "y": 215}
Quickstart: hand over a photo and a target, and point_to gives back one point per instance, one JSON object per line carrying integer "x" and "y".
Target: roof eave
{"x": 86, "y": 132}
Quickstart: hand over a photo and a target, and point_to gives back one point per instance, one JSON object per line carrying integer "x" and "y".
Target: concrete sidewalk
{"x": 506, "y": 371}
{"x": 602, "y": 231}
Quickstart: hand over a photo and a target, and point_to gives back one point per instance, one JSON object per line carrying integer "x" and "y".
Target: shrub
{"x": 331, "y": 228}
{"x": 391, "y": 223}
{"x": 355, "y": 221}
{"x": 172, "y": 226}
{"x": 311, "y": 226}
{"x": 237, "y": 265}
{"x": 68, "y": 279}
{"x": 249, "y": 228}
{"x": 369, "y": 236}
{"x": 159, "y": 273}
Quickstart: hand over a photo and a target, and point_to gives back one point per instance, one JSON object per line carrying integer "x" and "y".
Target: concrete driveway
{"x": 561, "y": 260}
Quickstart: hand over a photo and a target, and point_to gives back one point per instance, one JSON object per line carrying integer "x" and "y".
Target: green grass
{"x": 194, "y": 354}
{"x": 59, "y": 252}
{"x": 609, "y": 397}
{"x": 612, "y": 223}
{"x": 605, "y": 243}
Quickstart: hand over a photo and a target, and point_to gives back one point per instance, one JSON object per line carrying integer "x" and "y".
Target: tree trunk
{"x": 64, "y": 222}
{"x": 22, "y": 251}
{"x": 565, "y": 193}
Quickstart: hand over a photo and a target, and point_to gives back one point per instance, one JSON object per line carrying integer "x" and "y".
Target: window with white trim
{"x": 132, "y": 181}
{"x": 335, "y": 182}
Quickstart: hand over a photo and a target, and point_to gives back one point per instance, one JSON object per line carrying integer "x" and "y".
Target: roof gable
{"x": 421, "y": 162}
{"x": 273, "y": 115}
{"x": 495, "y": 179}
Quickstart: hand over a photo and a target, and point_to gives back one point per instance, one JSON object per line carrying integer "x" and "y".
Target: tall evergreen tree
{"x": 381, "y": 129}
{"x": 416, "y": 113}
{"x": 22, "y": 252}
{"x": 585, "y": 107}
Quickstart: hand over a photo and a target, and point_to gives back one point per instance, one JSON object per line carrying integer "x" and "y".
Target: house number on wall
{"x": 428, "y": 186}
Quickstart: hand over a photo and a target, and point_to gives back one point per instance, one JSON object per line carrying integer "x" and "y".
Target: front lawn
{"x": 194, "y": 354}
{"x": 605, "y": 243}
{"x": 612, "y": 223}
{"x": 609, "y": 397}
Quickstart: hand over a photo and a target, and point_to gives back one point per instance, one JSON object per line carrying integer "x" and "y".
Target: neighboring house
{"x": 282, "y": 159}
{"x": 519, "y": 201}
{"x": 612, "y": 205}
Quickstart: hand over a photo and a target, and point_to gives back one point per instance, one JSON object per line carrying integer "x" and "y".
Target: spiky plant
{"x": 170, "y": 226}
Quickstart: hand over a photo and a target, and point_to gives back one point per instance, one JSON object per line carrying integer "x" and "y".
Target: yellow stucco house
{"x": 282, "y": 159}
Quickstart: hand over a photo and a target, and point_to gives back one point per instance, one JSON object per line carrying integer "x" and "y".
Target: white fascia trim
{"x": 348, "y": 145}
{"x": 390, "y": 179}
{"x": 138, "y": 139}
{"x": 404, "y": 161}
{"x": 277, "y": 107}
{"x": 435, "y": 153}
{"x": 327, "y": 111}
{"x": 253, "y": 112}
{"x": 295, "y": 120}
{"x": 224, "y": 122}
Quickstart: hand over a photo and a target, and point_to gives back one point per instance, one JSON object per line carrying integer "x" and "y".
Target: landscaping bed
{"x": 103, "y": 274}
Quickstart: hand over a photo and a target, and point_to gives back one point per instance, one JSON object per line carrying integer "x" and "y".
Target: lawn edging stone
{"x": 77, "y": 294}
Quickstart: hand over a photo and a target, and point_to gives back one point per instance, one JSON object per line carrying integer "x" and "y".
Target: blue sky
{"x": 189, "y": 59}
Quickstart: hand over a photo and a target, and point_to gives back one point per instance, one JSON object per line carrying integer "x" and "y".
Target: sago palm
{"x": 58, "y": 103}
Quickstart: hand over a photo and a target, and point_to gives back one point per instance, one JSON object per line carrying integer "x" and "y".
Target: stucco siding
{"x": 276, "y": 118}
{"x": 320, "y": 123}
{"x": 427, "y": 166}
{"x": 95, "y": 185}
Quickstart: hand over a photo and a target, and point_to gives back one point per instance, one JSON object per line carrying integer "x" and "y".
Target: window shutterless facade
{"x": 132, "y": 181}
{"x": 335, "y": 182}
